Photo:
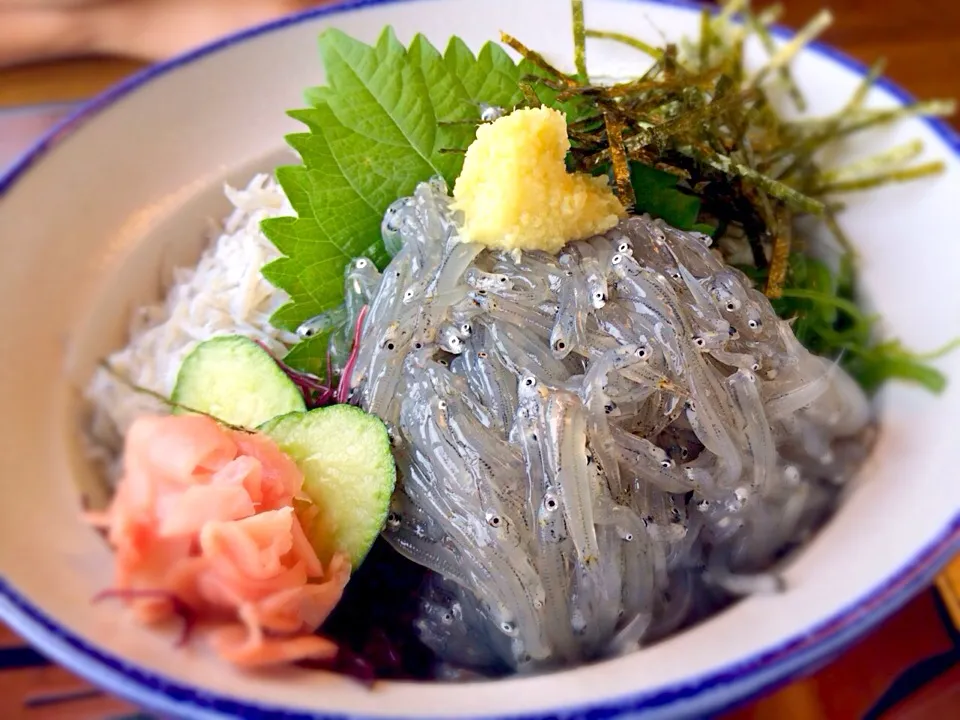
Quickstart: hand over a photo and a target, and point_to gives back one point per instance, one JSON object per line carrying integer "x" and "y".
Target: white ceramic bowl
{"x": 116, "y": 194}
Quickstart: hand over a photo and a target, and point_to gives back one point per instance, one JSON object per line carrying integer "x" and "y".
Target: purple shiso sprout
{"x": 343, "y": 390}
{"x": 316, "y": 392}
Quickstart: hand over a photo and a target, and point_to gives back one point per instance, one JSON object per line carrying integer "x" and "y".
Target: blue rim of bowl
{"x": 729, "y": 687}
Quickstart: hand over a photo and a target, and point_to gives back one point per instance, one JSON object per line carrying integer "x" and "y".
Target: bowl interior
{"x": 91, "y": 229}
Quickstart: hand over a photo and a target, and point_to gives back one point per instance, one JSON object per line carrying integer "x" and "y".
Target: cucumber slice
{"x": 235, "y": 380}
{"x": 348, "y": 470}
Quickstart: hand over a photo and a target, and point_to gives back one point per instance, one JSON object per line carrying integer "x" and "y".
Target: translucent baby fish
{"x": 449, "y": 338}
{"x": 781, "y": 404}
{"x": 707, "y": 420}
{"x": 454, "y": 263}
{"x": 603, "y": 250}
{"x": 509, "y": 311}
{"x": 517, "y": 350}
{"x": 491, "y": 282}
{"x": 362, "y": 280}
{"x": 726, "y": 291}
{"x": 451, "y": 386}
{"x": 489, "y": 113}
{"x": 742, "y": 361}
{"x": 391, "y": 224}
{"x": 569, "y": 328}
{"x": 567, "y": 437}
{"x": 650, "y": 463}
{"x": 594, "y": 397}
{"x": 490, "y": 380}
{"x": 322, "y": 323}
{"x": 760, "y": 443}
{"x": 594, "y": 276}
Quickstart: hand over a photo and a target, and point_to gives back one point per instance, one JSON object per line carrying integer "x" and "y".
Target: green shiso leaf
{"x": 657, "y": 194}
{"x": 377, "y": 128}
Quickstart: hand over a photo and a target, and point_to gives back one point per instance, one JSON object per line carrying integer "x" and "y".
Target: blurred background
{"x": 57, "y": 53}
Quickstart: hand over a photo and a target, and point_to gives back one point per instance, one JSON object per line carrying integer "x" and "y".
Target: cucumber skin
{"x": 349, "y": 439}
{"x": 235, "y": 380}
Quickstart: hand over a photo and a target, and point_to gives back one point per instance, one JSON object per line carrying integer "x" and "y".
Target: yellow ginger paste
{"x": 515, "y": 191}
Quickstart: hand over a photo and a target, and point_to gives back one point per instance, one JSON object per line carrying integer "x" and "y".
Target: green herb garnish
{"x": 657, "y": 194}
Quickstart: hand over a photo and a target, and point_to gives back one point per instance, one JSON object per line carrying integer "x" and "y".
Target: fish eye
{"x": 676, "y": 276}
{"x": 361, "y": 263}
{"x": 628, "y": 537}
{"x": 623, "y": 247}
{"x": 391, "y": 346}
{"x": 393, "y": 519}
{"x": 503, "y": 279}
{"x": 529, "y": 381}
{"x": 641, "y": 353}
{"x": 666, "y": 464}
{"x": 755, "y": 367}
{"x": 508, "y": 627}
{"x": 599, "y": 296}
{"x": 731, "y": 307}
{"x": 442, "y": 404}
{"x": 753, "y": 324}
{"x": 482, "y": 354}
{"x": 550, "y": 503}
{"x": 560, "y": 345}
{"x": 699, "y": 342}
{"x": 443, "y": 362}
{"x": 493, "y": 520}
{"x": 418, "y": 345}
{"x": 447, "y": 617}
{"x": 616, "y": 259}
{"x": 489, "y": 113}
{"x": 481, "y": 292}
{"x": 684, "y": 453}
{"x": 465, "y": 328}
{"x": 309, "y": 332}
{"x": 408, "y": 295}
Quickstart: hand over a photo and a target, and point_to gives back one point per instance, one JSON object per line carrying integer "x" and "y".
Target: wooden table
{"x": 921, "y": 41}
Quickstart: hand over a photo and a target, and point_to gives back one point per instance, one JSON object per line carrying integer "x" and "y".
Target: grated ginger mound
{"x": 515, "y": 191}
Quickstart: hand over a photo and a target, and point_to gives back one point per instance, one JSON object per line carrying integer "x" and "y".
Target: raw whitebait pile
{"x": 596, "y": 447}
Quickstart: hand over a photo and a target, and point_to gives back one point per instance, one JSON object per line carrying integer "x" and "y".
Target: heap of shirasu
{"x": 594, "y": 448}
